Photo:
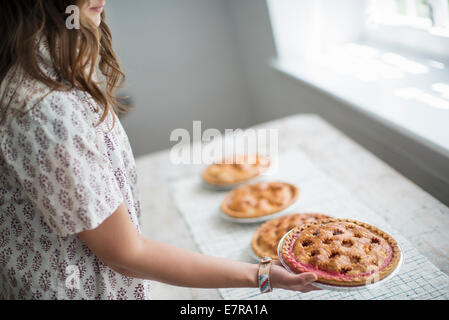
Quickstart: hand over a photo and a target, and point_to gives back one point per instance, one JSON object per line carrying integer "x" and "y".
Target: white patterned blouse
{"x": 60, "y": 174}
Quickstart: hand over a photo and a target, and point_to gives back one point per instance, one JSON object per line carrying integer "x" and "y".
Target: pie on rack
{"x": 260, "y": 199}
{"x": 341, "y": 252}
{"x": 236, "y": 169}
{"x": 266, "y": 238}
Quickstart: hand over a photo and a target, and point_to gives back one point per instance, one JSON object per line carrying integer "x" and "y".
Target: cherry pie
{"x": 341, "y": 252}
{"x": 236, "y": 170}
{"x": 266, "y": 238}
{"x": 260, "y": 199}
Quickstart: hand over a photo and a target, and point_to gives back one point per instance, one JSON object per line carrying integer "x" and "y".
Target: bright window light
{"x": 367, "y": 63}
{"x": 442, "y": 89}
{"x": 404, "y": 64}
{"x": 437, "y": 64}
{"x": 423, "y": 97}
{"x": 430, "y": 15}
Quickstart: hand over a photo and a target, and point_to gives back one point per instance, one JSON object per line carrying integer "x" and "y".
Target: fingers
{"x": 298, "y": 282}
{"x": 307, "y": 278}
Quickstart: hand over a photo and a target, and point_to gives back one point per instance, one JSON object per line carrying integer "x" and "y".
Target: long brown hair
{"x": 75, "y": 53}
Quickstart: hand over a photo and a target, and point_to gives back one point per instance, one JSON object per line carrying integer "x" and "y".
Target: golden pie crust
{"x": 266, "y": 238}
{"x": 260, "y": 199}
{"x": 341, "y": 252}
{"x": 236, "y": 170}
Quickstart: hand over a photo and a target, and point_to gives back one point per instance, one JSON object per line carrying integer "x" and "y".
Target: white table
{"x": 418, "y": 216}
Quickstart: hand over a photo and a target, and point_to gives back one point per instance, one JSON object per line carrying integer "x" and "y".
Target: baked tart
{"x": 266, "y": 238}
{"x": 260, "y": 199}
{"x": 341, "y": 252}
{"x": 237, "y": 169}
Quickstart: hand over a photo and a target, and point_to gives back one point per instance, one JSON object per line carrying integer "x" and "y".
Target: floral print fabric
{"x": 60, "y": 174}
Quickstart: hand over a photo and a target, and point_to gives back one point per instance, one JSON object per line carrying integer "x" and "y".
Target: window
{"x": 386, "y": 58}
{"x": 429, "y": 15}
{"x": 421, "y": 26}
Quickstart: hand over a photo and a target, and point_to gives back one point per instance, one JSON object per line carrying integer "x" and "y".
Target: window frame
{"x": 412, "y": 34}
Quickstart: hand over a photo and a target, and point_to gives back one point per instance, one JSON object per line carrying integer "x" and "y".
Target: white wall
{"x": 181, "y": 66}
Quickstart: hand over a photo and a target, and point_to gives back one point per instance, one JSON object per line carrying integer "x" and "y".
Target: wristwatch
{"x": 264, "y": 275}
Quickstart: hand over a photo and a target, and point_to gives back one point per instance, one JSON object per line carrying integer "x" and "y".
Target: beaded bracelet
{"x": 264, "y": 275}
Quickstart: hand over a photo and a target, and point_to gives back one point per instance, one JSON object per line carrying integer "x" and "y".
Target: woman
{"x": 69, "y": 224}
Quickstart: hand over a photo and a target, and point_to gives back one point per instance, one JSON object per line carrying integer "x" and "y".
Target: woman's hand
{"x": 283, "y": 279}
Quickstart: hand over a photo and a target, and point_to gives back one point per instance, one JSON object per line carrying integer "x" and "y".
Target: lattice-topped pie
{"x": 260, "y": 199}
{"x": 266, "y": 238}
{"x": 341, "y": 252}
{"x": 236, "y": 170}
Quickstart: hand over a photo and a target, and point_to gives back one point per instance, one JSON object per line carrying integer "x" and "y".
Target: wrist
{"x": 246, "y": 278}
{"x": 276, "y": 276}
{"x": 253, "y": 276}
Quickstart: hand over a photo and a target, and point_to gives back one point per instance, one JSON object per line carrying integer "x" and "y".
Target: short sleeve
{"x": 59, "y": 158}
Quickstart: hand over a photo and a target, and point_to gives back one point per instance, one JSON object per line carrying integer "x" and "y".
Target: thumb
{"x": 307, "y": 278}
